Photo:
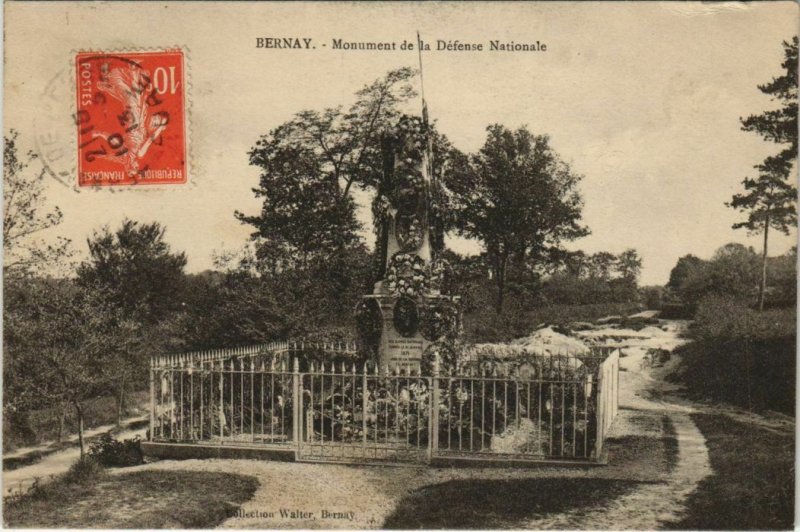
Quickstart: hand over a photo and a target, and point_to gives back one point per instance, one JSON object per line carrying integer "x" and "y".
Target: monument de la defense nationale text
{"x": 439, "y": 45}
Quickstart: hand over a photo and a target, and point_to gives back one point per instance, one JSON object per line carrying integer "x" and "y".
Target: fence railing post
{"x": 600, "y": 436}
{"x": 297, "y": 407}
{"x": 364, "y": 406}
{"x": 433, "y": 434}
{"x": 616, "y": 383}
{"x": 152, "y": 399}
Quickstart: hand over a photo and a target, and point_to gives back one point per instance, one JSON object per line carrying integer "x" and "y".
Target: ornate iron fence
{"x": 552, "y": 406}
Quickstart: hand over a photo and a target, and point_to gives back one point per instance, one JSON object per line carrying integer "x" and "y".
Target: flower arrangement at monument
{"x": 448, "y": 357}
{"x": 406, "y": 316}
{"x": 439, "y": 320}
{"x": 410, "y": 232}
{"x": 406, "y": 275}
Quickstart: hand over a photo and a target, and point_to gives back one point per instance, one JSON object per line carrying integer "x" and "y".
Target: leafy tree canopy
{"x": 518, "y": 198}
{"x": 135, "y": 269}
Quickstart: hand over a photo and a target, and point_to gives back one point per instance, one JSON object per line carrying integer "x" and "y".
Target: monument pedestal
{"x": 398, "y": 350}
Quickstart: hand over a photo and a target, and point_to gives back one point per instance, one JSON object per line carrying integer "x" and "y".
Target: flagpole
{"x": 429, "y": 148}
{"x": 422, "y": 81}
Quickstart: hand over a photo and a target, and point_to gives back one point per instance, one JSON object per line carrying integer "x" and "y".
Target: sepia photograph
{"x": 399, "y": 265}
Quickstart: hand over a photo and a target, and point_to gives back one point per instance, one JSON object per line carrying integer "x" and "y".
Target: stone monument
{"x": 411, "y": 314}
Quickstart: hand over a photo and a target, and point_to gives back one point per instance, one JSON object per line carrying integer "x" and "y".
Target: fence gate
{"x": 362, "y": 415}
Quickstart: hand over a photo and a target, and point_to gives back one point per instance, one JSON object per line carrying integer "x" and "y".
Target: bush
{"x": 740, "y": 355}
{"x": 677, "y": 311}
{"x": 652, "y": 297}
{"x": 110, "y": 452}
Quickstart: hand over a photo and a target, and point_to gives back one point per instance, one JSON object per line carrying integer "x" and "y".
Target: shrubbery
{"x": 740, "y": 355}
{"x": 110, "y": 452}
{"x": 483, "y": 324}
{"x": 734, "y": 270}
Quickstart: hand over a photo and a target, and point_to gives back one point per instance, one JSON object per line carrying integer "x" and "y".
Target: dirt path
{"x": 55, "y": 463}
{"x": 650, "y": 505}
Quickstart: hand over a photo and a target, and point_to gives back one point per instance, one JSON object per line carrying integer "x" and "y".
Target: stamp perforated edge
{"x": 187, "y": 119}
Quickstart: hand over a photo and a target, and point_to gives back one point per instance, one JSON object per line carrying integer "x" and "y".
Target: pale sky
{"x": 643, "y": 99}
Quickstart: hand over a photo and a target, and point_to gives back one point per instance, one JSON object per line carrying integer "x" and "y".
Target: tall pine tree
{"x": 770, "y": 200}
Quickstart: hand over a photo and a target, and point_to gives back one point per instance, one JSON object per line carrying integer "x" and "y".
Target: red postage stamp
{"x": 131, "y": 118}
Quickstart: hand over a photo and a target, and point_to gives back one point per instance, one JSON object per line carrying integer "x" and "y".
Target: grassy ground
{"x": 486, "y": 504}
{"x": 752, "y": 487}
{"x": 144, "y": 499}
{"x": 512, "y": 503}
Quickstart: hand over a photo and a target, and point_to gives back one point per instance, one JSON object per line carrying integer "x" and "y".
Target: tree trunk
{"x": 120, "y": 403}
{"x": 763, "y": 286}
{"x": 79, "y": 411}
{"x": 62, "y": 422}
{"x": 500, "y": 279}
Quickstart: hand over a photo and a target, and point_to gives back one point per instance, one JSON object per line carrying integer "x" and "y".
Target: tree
{"x": 732, "y": 272}
{"x": 23, "y": 216}
{"x": 576, "y": 263}
{"x": 135, "y": 267}
{"x": 601, "y": 264}
{"x": 770, "y": 200}
{"x": 629, "y": 265}
{"x": 57, "y": 341}
{"x": 682, "y": 270}
{"x": 309, "y": 166}
{"x": 136, "y": 273}
{"x": 518, "y": 198}
{"x": 652, "y": 297}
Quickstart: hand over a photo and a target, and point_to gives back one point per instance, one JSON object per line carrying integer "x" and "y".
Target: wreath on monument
{"x": 410, "y": 135}
{"x": 406, "y": 275}
{"x": 439, "y": 320}
{"x": 409, "y": 139}
{"x": 369, "y": 323}
{"x": 448, "y": 357}
{"x": 406, "y": 317}
{"x": 408, "y": 192}
{"x": 410, "y": 232}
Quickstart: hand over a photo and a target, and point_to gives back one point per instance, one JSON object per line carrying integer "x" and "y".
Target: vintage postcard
{"x": 399, "y": 265}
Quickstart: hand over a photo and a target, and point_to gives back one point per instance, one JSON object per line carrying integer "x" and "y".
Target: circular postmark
{"x": 53, "y": 137}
